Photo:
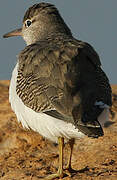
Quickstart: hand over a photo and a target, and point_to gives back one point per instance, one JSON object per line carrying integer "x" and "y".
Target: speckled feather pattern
{"x": 48, "y": 126}
{"x": 52, "y": 76}
{"x": 58, "y": 80}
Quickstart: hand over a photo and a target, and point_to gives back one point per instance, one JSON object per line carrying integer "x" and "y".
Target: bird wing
{"x": 55, "y": 78}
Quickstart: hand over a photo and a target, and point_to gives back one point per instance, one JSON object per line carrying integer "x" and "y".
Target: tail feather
{"x": 88, "y": 122}
{"x": 90, "y": 128}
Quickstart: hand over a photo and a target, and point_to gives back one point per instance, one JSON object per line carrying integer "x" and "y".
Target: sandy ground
{"x": 26, "y": 155}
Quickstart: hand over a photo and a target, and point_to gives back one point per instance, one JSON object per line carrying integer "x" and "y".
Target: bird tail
{"x": 89, "y": 122}
{"x": 90, "y": 128}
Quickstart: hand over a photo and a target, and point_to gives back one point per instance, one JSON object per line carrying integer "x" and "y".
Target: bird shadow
{"x": 73, "y": 172}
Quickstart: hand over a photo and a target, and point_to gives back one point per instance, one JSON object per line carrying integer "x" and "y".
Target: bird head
{"x": 40, "y": 21}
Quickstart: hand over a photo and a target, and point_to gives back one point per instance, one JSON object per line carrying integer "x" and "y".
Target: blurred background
{"x": 92, "y": 21}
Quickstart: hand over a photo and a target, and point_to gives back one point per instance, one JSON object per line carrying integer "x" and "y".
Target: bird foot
{"x": 70, "y": 171}
{"x": 53, "y": 176}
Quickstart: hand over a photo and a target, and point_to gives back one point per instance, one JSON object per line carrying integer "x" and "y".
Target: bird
{"x": 58, "y": 87}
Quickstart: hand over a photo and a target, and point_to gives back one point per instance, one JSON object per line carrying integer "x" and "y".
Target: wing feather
{"x": 54, "y": 76}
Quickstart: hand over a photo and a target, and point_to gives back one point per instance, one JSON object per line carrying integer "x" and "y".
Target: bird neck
{"x": 57, "y": 36}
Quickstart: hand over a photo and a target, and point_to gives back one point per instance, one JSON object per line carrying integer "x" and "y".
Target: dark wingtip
{"x": 92, "y": 129}
{"x": 97, "y": 133}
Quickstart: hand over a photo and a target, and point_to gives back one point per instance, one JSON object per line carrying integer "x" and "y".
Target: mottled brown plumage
{"x": 58, "y": 73}
{"x": 63, "y": 74}
{"x": 58, "y": 76}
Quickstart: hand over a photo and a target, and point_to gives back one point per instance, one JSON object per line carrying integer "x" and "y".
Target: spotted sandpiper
{"x": 58, "y": 87}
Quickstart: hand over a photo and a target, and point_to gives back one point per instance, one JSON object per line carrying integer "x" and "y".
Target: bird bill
{"x": 16, "y": 32}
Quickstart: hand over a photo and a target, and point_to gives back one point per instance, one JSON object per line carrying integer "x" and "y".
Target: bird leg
{"x": 68, "y": 167}
{"x": 61, "y": 145}
{"x": 59, "y": 174}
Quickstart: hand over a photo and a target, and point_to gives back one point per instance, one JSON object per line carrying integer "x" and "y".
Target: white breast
{"x": 49, "y": 127}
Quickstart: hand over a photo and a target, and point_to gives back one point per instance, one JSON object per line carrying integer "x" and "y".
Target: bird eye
{"x": 28, "y": 23}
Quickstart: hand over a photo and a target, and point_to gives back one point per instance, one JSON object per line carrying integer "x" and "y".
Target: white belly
{"x": 49, "y": 127}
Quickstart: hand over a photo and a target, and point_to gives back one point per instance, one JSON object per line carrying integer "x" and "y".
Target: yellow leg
{"x": 59, "y": 174}
{"x": 61, "y": 145}
{"x": 69, "y": 167}
{"x": 71, "y": 144}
